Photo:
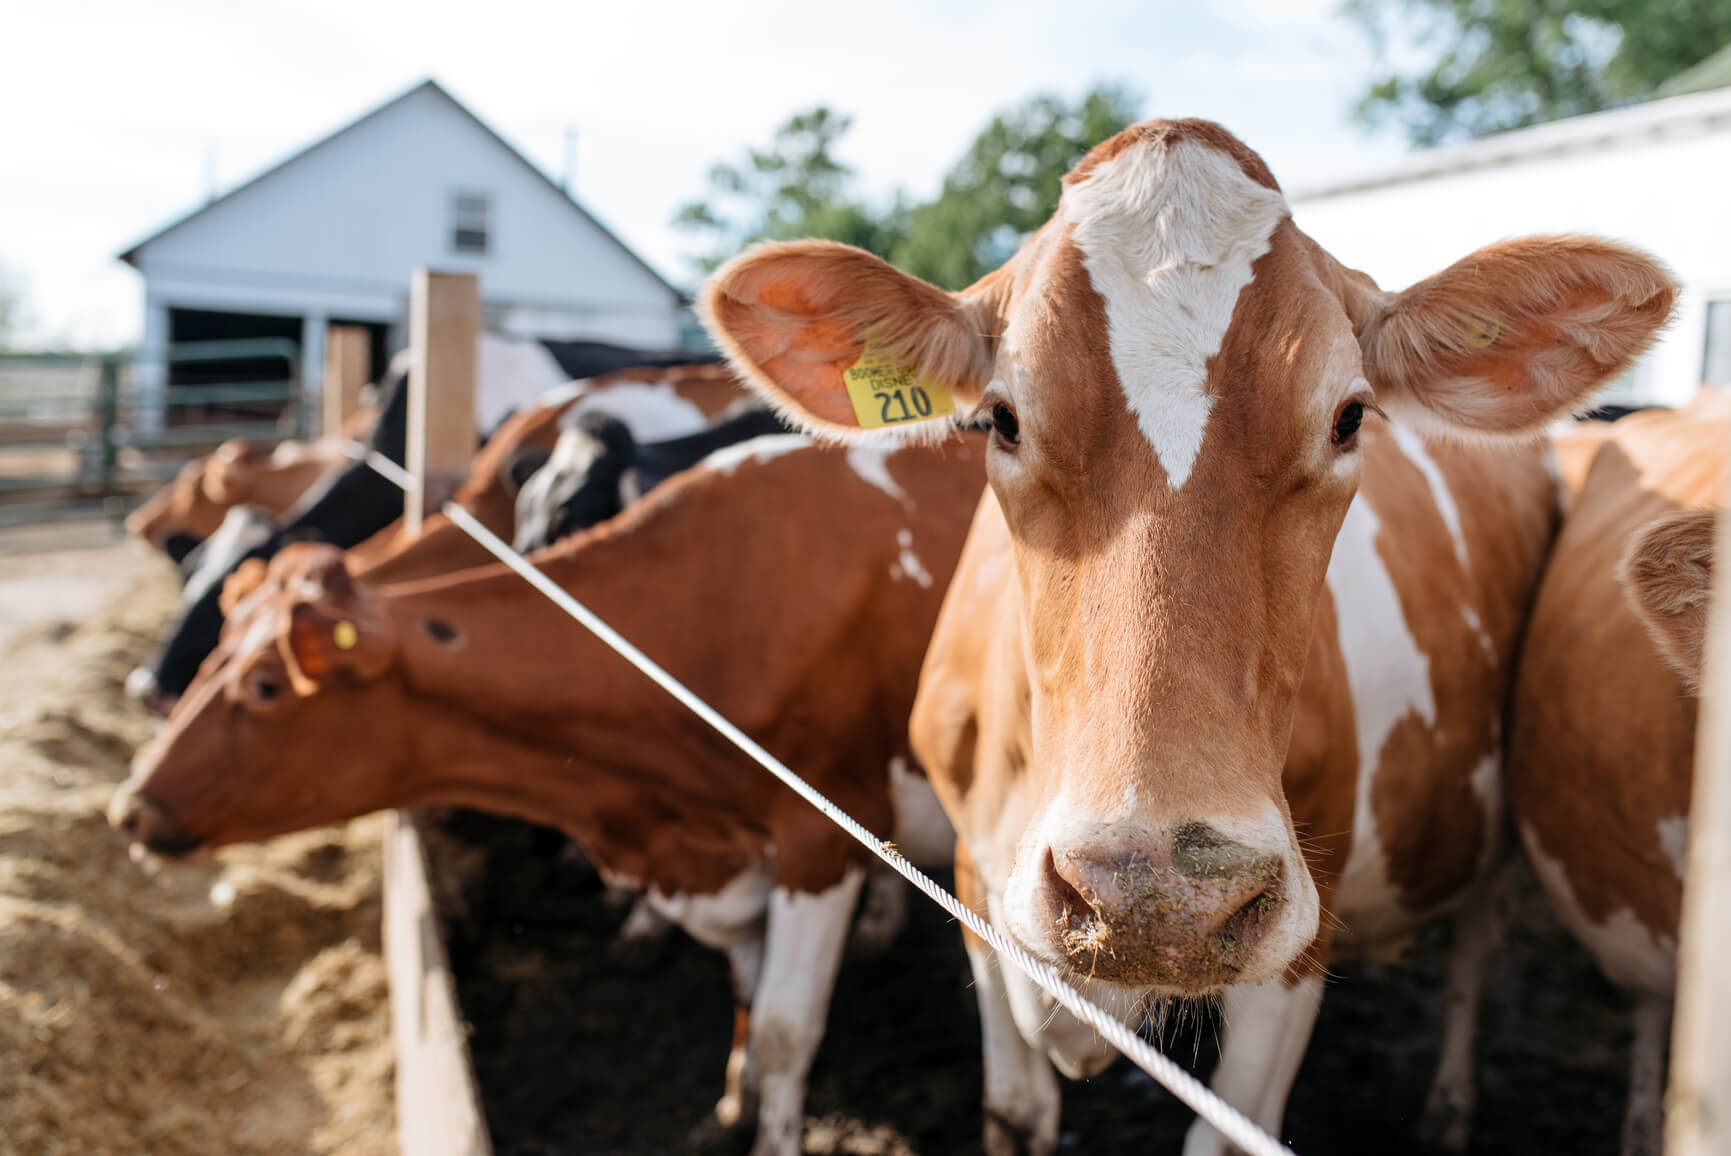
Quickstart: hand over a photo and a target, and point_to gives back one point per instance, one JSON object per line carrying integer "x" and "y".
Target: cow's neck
{"x": 598, "y": 791}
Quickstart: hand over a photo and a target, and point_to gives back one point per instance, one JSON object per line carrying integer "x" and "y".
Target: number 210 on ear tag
{"x": 885, "y": 394}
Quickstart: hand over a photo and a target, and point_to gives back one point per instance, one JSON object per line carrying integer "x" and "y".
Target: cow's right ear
{"x": 841, "y": 342}
{"x": 1667, "y": 576}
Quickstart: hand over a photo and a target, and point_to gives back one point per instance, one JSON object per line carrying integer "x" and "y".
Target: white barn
{"x": 1656, "y": 175}
{"x": 332, "y": 234}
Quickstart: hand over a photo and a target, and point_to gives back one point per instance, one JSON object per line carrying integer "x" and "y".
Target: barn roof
{"x": 130, "y": 255}
{"x": 1695, "y": 113}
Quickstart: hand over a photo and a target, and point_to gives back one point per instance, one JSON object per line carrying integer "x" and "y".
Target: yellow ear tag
{"x": 345, "y": 635}
{"x": 1483, "y": 335}
{"x": 884, "y": 393}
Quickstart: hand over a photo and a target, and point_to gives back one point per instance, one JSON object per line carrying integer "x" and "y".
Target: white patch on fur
{"x": 1674, "y": 838}
{"x": 723, "y": 917}
{"x": 759, "y": 449}
{"x": 870, "y": 461}
{"x": 907, "y": 564}
{"x": 1414, "y": 448}
{"x": 1264, "y": 1029}
{"x": 1019, "y": 1084}
{"x": 1389, "y": 678}
{"x": 922, "y": 829}
{"x": 511, "y": 372}
{"x": 1470, "y": 616}
{"x": 1625, "y": 950}
{"x": 1168, "y": 236}
{"x": 652, "y": 411}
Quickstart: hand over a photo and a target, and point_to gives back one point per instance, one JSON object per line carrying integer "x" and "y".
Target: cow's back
{"x": 1602, "y": 740}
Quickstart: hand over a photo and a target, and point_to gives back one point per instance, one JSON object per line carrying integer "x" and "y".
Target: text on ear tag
{"x": 884, "y": 393}
{"x": 1483, "y": 334}
{"x": 345, "y": 635}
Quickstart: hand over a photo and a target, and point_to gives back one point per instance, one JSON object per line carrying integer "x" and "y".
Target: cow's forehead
{"x": 1160, "y": 230}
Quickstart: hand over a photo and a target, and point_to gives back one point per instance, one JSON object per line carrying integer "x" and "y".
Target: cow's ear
{"x": 1667, "y": 576}
{"x": 333, "y": 626}
{"x": 841, "y": 342}
{"x": 1513, "y": 336}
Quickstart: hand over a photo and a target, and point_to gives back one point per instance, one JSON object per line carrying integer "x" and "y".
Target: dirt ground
{"x": 238, "y": 1007}
{"x": 577, "y": 1052}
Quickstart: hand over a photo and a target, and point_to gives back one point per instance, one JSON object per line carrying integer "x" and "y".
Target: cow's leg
{"x": 1644, "y": 1125}
{"x": 882, "y": 914}
{"x": 803, "y": 949}
{"x": 1478, "y": 934}
{"x": 1264, "y": 1030}
{"x": 739, "y": 1097}
{"x": 1022, "y": 1097}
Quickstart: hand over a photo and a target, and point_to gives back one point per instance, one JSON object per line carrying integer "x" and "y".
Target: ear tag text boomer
{"x": 886, "y": 394}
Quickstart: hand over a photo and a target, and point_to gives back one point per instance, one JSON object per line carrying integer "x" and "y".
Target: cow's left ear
{"x": 841, "y": 342}
{"x": 1513, "y": 336}
{"x": 1667, "y": 576}
{"x": 333, "y": 625}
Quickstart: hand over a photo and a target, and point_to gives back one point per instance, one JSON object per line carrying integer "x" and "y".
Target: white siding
{"x": 339, "y": 230}
{"x": 1662, "y": 190}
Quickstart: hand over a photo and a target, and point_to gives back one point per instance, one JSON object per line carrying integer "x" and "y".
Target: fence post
{"x": 1698, "y": 1104}
{"x": 348, "y": 364}
{"x": 444, "y": 335}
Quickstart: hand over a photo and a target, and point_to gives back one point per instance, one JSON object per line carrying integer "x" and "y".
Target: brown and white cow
{"x": 192, "y": 507}
{"x": 1177, "y": 377}
{"x": 806, "y": 628}
{"x": 1602, "y": 740}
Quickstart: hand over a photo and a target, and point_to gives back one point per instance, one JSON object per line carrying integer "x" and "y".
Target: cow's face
{"x": 291, "y": 722}
{"x": 179, "y": 516}
{"x": 1176, "y": 376}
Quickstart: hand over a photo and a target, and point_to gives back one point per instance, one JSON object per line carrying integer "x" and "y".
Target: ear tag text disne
{"x": 886, "y": 394}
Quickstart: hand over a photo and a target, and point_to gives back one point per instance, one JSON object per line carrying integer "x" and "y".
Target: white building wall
{"x": 1665, "y": 193}
{"x": 339, "y": 230}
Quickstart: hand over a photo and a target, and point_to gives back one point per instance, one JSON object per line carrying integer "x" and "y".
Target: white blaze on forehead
{"x": 1168, "y": 235}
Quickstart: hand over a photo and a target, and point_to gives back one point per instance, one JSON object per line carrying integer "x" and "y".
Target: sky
{"x": 117, "y": 114}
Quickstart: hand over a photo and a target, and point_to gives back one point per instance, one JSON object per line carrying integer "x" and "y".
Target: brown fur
{"x": 475, "y": 690}
{"x": 1158, "y": 637}
{"x": 1602, "y": 741}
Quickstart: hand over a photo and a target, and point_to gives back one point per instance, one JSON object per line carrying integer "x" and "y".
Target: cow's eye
{"x": 262, "y": 686}
{"x": 1004, "y": 422}
{"x": 1346, "y": 423}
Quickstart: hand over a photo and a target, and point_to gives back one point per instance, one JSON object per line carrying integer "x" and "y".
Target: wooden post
{"x": 439, "y": 1109}
{"x": 444, "y": 335}
{"x": 1698, "y": 1104}
{"x": 348, "y": 364}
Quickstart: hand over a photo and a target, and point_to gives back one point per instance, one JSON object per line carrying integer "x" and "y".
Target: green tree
{"x": 1007, "y": 185}
{"x": 794, "y": 188}
{"x": 1502, "y": 64}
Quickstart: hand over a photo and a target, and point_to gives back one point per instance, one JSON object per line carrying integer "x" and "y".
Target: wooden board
{"x": 348, "y": 364}
{"x": 438, "y": 1105}
{"x": 445, "y": 337}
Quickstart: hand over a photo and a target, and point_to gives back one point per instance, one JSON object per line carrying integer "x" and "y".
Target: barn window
{"x": 469, "y": 212}
{"x": 1716, "y": 359}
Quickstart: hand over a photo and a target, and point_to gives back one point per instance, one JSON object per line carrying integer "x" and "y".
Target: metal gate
{"x": 80, "y": 436}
